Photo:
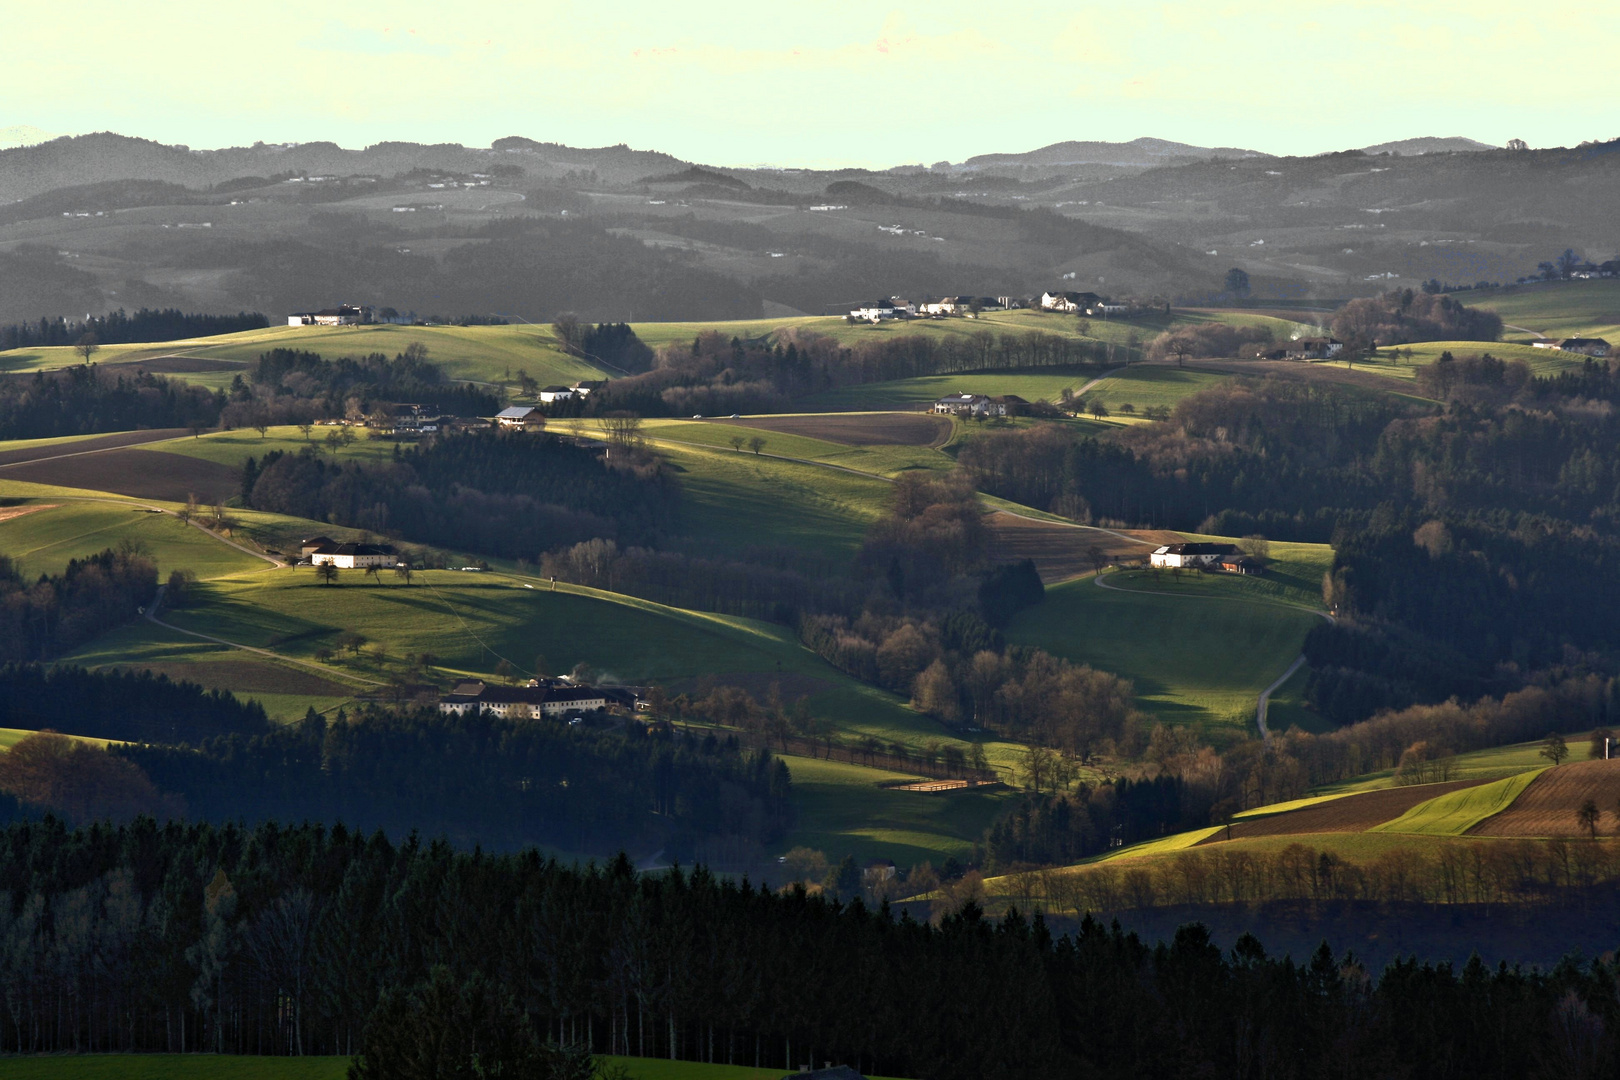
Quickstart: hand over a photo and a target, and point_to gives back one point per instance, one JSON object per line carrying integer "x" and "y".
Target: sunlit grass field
{"x": 43, "y": 541}
{"x": 1198, "y": 659}
{"x": 1145, "y": 387}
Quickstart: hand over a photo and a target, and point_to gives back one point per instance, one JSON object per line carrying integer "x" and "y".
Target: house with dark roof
{"x": 315, "y": 543}
{"x": 550, "y": 394}
{"x": 1595, "y": 347}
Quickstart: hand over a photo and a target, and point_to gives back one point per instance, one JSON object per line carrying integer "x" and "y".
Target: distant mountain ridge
{"x": 26, "y": 171}
{"x": 1139, "y": 152}
{"x": 1430, "y": 144}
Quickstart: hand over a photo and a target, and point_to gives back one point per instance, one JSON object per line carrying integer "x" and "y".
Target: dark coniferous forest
{"x": 305, "y": 940}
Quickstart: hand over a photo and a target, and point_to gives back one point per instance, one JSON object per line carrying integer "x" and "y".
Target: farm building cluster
{"x": 540, "y": 698}
{"x": 1074, "y": 303}
{"x": 981, "y": 406}
{"x": 1221, "y": 558}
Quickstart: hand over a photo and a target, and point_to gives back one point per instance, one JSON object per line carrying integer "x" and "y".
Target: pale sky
{"x": 814, "y": 83}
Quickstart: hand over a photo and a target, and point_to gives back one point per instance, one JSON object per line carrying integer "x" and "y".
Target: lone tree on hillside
{"x": 327, "y": 572}
{"x": 1588, "y": 816}
{"x": 737, "y": 443}
{"x": 1553, "y": 748}
{"x": 87, "y": 345}
{"x": 756, "y": 444}
{"x": 1237, "y": 282}
{"x": 1098, "y": 557}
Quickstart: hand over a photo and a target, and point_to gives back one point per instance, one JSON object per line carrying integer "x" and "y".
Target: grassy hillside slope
{"x": 1200, "y": 657}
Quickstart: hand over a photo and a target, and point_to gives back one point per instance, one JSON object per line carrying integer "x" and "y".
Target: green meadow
{"x": 234, "y": 446}
{"x": 1144, "y": 387}
{"x": 44, "y": 540}
{"x": 1200, "y": 657}
{"x": 1555, "y": 309}
{"x": 842, "y": 810}
{"x": 1042, "y": 384}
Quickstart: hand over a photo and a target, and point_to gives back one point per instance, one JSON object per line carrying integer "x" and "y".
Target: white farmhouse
{"x": 354, "y": 556}
{"x": 1186, "y": 556}
{"x": 343, "y": 315}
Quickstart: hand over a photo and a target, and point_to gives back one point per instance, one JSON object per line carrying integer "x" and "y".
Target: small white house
{"x": 552, "y": 394}
{"x": 1189, "y": 556}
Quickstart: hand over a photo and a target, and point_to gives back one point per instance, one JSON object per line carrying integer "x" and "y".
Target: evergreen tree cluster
{"x": 482, "y": 780}
{"x": 119, "y": 327}
{"x": 305, "y": 940}
{"x": 352, "y": 386}
{"x": 121, "y": 705}
{"x": 85, "y": 400}
{"x": 512, "y": 495}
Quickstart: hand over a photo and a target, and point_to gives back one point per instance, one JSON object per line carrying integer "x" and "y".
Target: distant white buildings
{"x": 343, "y": 315}
{"x": 552, "y": 698}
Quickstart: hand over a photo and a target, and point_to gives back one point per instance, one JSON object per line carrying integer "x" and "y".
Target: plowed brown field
{"x": 1548, "y": 806}
{"x": 859, "y": 429}
{"x": 1353, "y": 813}
{"x": 143, "y": 474}
{"x": 123, "y": 438}
{"x": 1063, "y": 551}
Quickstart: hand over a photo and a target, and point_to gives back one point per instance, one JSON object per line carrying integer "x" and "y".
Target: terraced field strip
{"x": 1548, "y": 806}
{"x": 21, "y": 451}
{"x": 1343, "y": 814}
{"x": 1456, "y": 812}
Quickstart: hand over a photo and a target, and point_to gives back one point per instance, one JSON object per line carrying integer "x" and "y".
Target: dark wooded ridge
{"x": 284, "y": 940}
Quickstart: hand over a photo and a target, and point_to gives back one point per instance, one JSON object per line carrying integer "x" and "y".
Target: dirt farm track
{"x": 858, "y": 429}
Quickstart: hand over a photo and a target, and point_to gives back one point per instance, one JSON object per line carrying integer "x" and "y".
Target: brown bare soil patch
{"x": 9, "y": 512}
{"x": 184, "y": 365}
{"x": 104, "y": 442}
{"x": 142, "y": 474}
{"x": 859, "y": 429}
{"x": 250, "y": 677}
{"x": 1061, "y": 551}
{"x": 1353, "y": 813}
{"x": 1548, "y": 806}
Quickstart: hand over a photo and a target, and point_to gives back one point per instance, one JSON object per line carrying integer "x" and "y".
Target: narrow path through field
{"x": 1264, "y": 704}
{"x": 157, "y": 602}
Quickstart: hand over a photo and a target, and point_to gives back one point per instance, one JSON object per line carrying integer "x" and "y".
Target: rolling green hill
{"x": 43, "y": 540}
{"x": 1200, "y": 656}
{"x": 1555, "y": 309}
